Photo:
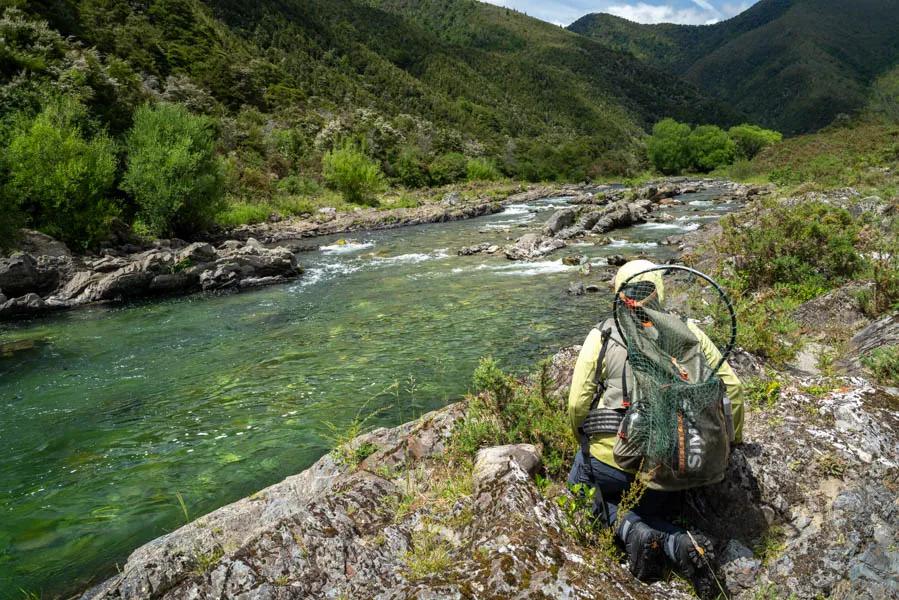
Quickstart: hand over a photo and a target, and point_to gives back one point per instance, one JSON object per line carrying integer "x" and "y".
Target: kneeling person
{"x": 601, "y": 377}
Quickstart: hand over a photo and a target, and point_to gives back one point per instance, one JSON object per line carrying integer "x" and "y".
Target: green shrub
{"x": 481, "y": 169}
{"x": 884, "y": 364}
{"x": 507, "y": 411}
{"x": 750, "y": 139}
{"x": 668, "y": 147}
{"x": 173, "y": 174}
{"x": 61, "y": 177}
{"x": 294, "y": 185}
{"x": 243, "y": 213}
{"x": 353, "y": 174}
{"x": 710, "y": 148}
{"x": 448, "y": 168}
{"x": 809, "y": 242}
{"x": 410, "y": 169}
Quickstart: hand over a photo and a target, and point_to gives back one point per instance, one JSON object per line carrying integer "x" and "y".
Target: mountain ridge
{"x": 783, "y": 63}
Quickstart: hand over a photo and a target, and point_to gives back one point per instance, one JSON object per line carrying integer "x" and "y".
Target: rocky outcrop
{"x": 532, "y": 246}
{"x": 337, "y": 531}
{"x": 34, "y": 285}
{"x": 880, "y": 333}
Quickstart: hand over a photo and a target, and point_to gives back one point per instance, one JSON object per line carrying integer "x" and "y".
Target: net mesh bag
{"x": 673, "y": 384}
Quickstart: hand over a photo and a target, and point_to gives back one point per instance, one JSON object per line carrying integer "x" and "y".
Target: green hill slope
{"x": 458, "y": 76}
{"x": 789, "y": 64}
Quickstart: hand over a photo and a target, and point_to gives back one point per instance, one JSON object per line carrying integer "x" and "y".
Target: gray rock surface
{"x": 882, "y": 332}
{"x": 172, "y": 267}
{"x": 559, "y": 221}
{"x": 532, "y": 246}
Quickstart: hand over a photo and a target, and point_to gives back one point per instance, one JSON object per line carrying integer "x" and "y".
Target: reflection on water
{"x": 107, "y": 413}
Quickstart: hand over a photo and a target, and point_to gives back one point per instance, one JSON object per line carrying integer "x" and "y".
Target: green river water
{"x": 117, "y": 409}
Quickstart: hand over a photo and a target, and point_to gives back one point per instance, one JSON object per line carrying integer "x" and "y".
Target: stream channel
{"x": 117, "y": 410}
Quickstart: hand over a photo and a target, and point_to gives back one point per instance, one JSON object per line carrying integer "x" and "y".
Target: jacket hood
{"x": 633, "y": 269}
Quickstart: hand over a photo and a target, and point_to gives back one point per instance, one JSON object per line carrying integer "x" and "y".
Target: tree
{"x": 353, "y": 174}
{"x": 750, "y": 139}
{"x": 710, "y": 148}
{"x": 410, "y": 169}
{"x": 61, "y": 178}
{"x": 448, "y": 168}
{"x": 173, "y": 174}
{"x": 668, "y": 147}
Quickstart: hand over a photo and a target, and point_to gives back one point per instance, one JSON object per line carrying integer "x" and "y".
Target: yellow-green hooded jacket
{"x": 583, "y": 386}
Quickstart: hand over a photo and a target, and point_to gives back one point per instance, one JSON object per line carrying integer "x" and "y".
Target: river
{"x": 116, "y": 411}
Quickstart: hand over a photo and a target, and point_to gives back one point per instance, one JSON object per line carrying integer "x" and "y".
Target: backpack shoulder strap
{"x": 597, "y": 376}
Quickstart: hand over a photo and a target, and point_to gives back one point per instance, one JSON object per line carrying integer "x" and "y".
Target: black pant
{"x": 655, "y": 508}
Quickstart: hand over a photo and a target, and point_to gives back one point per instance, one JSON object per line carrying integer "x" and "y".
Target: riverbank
{"x": 396, "y": 513}
{"x": 46, "y": 276}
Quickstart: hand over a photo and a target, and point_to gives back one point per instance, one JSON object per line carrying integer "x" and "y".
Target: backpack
{"x": 676, "y": 426}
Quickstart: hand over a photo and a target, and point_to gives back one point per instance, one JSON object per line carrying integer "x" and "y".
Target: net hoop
{"x": 728, "y": 349}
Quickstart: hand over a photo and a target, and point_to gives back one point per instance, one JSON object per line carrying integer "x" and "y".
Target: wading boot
{"x": 645, "y": 548}
{"x": 694, "y": 557}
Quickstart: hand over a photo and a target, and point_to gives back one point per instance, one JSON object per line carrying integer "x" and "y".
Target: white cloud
{"x": 705, "y": 5}
{"x": 660, "y": 13}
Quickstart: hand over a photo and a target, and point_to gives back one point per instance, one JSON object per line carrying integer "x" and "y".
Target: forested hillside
{"x": 793, "y": 65}
{"x": 407, "y": 93}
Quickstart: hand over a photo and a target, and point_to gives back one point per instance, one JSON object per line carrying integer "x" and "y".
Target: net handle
{"x": 728, "y": 349}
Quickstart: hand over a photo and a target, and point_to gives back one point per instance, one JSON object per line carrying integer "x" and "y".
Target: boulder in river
{"x": 21, "y": 274}
{"x": 532, "y": 246}
{"x": 559, "y": 221}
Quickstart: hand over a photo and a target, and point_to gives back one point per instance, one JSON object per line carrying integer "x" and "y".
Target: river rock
{"x": 20, "y": 274}
{"x": 573, "y": 260}
{"x": 615, "y": 260}
{"x": 532, "y": 246}
{"x": 28, "y": 304}
{"x": 577, "y": 288}
{"x": 39, "y": 244}
{"x": 476, "y": 249}
{"x": 622, "y": 214}
{"x": 559, "y": 221}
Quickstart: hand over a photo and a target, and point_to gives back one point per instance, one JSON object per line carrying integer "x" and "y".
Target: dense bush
{"x": 750, "y": 139}
{"x": 668, "y": 147}
{"x": 61, "y": 177}
{"x": 353, "y": 174}
{"x": 173, "y": 173}
{"x": 674, "y": 147}
{"x": 448, "y": 168}
{"x": 793, "y": 244}
{"x": 481, "y": 169}
{"x": 410, "y": 169}
{"x": 710, "y": 148}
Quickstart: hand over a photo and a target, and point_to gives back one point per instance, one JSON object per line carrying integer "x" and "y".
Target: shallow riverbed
{"x": 114, "y": 412}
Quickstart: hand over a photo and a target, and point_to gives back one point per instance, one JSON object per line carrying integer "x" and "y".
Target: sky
{"x": 690, "y": 12}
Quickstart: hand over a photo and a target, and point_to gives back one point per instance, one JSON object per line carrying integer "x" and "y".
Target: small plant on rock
{"x": 430, "y": 555}
{"x": 884, "y": 364}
